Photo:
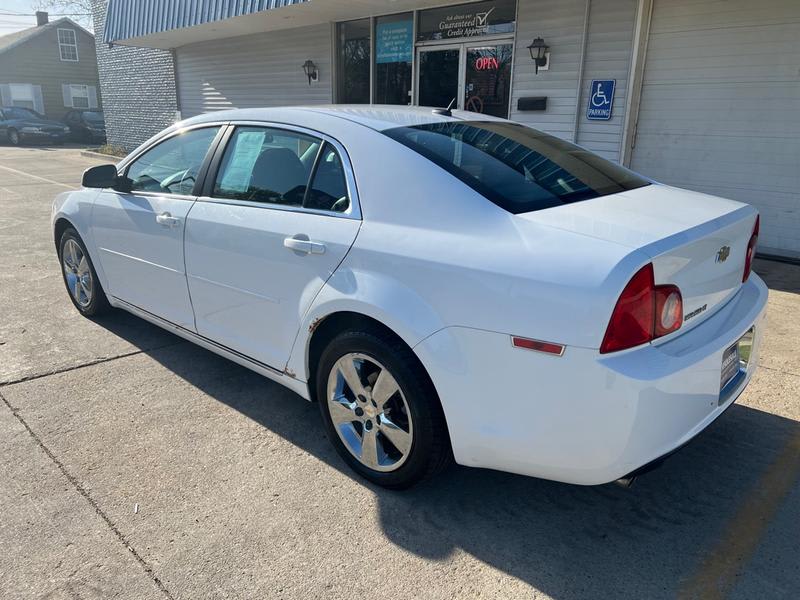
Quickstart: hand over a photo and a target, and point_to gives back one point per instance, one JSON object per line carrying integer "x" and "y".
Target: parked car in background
{"x": 86, "y": 125}
{"x": 20, "y": 125}
{"x": 444, "y": 284}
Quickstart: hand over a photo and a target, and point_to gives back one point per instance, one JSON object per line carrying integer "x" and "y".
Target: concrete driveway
{"x": 136, "y": 465}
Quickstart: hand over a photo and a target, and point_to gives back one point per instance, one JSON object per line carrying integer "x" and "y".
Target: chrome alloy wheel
{"x": 369, "y": 412}
{"x": 77, "y": 273}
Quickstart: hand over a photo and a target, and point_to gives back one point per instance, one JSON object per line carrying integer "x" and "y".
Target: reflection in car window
{"x": 328, "y": 189}
{"x": 172, "y": 166}
{"x": 517, "y": 168}
{"x": 266, "y": 165}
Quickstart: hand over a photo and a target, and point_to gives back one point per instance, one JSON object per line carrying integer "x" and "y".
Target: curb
{"x": 91, "y": 154}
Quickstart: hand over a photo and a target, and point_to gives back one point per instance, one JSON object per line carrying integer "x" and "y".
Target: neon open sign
{"x": 486, "y": 63}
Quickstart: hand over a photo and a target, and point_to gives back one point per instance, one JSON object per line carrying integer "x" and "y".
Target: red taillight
{"x": 751, "y": 250}
{"x": 644, "y": 311}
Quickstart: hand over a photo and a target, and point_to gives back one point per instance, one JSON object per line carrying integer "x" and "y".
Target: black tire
{"x": 430, "y": 452}
{"x": 13, "y": 137}
{"x": 98, "y": 303}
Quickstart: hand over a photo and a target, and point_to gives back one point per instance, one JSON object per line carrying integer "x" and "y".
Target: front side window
{"x": 68, "y": 45}
{"x": 269, "y": 165}
{"x": 517, "y": 168}
{"x": 172, "y": 166}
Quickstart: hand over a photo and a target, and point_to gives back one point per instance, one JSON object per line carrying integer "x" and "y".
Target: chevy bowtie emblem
{"x": 723, "y": 254}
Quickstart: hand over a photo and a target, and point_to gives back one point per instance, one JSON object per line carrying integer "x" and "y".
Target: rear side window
{"x": 328, "y": 190}
{"x": 275, "y": 166}
{"x": 517, "y": 168}
{"x": 172, "y": 166}
{"x": 267, "y": 165}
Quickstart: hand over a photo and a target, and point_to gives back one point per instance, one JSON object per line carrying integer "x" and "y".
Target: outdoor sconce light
{"x": 311, "y": 71}
{"x": 540, "y": 53}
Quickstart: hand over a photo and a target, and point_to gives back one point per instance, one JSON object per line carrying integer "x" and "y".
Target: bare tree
{"x": 79, "y": 11}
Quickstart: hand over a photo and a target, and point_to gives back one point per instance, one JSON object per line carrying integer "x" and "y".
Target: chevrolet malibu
{"x": 445, "y": 285}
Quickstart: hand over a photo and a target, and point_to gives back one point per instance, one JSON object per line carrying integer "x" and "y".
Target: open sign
{"x": 487, "y": 63}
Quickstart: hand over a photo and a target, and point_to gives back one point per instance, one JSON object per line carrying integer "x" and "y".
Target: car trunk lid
{"x": 696, "y": 241}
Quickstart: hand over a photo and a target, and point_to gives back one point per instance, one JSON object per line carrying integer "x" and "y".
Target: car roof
{"x": 377, "y": 117}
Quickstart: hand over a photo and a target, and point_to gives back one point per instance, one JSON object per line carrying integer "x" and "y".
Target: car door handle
{"x": 167, "y": 219}
{"x": 301, "y": 245}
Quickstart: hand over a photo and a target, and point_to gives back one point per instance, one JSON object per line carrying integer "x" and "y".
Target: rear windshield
{"x": 518, "y": 168}
{"x": 93, "y": 116}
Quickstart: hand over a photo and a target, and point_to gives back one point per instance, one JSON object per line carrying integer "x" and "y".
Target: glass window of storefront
{"x": 493, "y": 17}
{"x": 394, "y": 54}
{"x": 460, "y": 55}
{"x": 354, "y": 55}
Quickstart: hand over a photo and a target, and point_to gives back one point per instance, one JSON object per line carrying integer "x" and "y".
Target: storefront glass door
{"x": 478, "y": 77}
{"x": 487, "y": 83}
{"x": 439, "y": 71}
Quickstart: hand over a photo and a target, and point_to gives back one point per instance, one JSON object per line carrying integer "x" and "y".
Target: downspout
{"x": 581, "y": 66}
{"x": 178, "y": 112}
{"x": 641, "y": 38}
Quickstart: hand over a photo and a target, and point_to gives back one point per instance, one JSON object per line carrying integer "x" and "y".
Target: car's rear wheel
{"x": 380, "y": 409}
{"x": 13, "y": 137}
{"x": 80, "y": 278}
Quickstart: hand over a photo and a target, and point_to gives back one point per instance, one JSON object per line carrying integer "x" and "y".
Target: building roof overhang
{"x": 173, "y": 23}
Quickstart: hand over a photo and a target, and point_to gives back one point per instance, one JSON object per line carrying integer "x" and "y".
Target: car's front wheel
{"x": 13, "y": 137}
{"x": 380, "y": 409}
{"x": 80, "y": 278}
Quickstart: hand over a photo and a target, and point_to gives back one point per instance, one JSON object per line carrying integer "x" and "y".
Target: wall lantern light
{"x": 311, "y": 71}
{"x": 540, "y": 53}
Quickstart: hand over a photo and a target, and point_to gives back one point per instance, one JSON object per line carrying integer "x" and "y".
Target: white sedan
{"x": 445, "y": 285}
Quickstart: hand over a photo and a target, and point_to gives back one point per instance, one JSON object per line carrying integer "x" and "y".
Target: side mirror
{"x": 102, "y": 176}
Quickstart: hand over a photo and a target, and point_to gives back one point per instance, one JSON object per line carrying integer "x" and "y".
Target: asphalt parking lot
{"x": 136, "y": 465}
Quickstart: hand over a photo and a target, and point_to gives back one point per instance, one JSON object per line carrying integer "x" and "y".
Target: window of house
{"x": 68, "y": 44}
{"x": 267, "y": 165}
{"x": 172, "y": 166}
{"x": 354, "y": 55}
{"x": 80, "y": 96}
{"x": 22, "y": 95}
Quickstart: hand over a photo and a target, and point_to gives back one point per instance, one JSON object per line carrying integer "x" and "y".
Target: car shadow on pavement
{"x": 779, "y": 276}
{"x": 566, "y": 541}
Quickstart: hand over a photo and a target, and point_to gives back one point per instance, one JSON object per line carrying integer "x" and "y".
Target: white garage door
{"x": 720, "y": 108}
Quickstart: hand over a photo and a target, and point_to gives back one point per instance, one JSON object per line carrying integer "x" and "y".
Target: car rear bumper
{"x": 583, "y": 417}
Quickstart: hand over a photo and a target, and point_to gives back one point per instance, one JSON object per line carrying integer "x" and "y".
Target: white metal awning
{"x": 171, "y": 24}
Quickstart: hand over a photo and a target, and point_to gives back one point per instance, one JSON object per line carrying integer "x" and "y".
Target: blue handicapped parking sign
{"x": 601, "y": 99}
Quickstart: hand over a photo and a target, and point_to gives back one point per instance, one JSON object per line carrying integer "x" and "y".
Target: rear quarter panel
{"x": 433, "y": 253}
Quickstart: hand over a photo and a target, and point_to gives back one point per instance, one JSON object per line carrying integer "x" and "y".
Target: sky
{"x": 9, "y": 23}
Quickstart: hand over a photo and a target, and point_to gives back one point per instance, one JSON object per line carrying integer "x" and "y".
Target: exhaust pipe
{"x": 626, "y": 482}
